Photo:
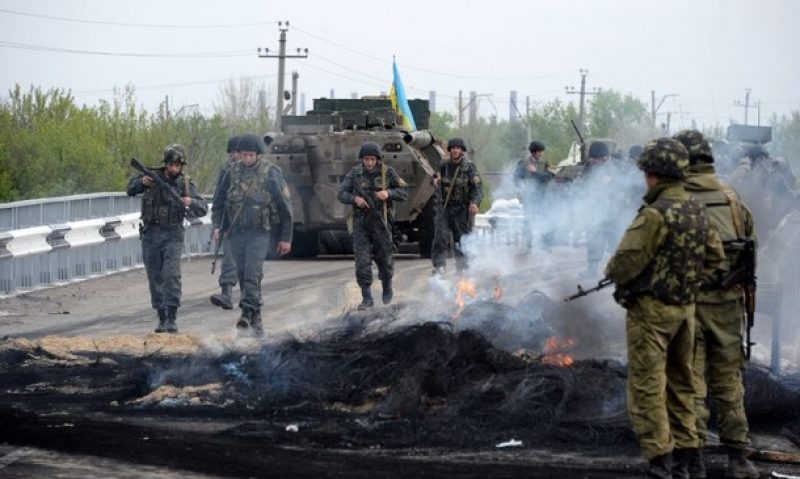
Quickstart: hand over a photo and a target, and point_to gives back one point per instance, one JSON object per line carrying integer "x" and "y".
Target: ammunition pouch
{"x": 625, "y": 297}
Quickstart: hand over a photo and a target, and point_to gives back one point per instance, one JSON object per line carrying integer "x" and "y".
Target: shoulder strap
{"x": 736, "y": 209}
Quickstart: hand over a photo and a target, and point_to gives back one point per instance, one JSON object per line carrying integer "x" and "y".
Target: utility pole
{"x": 460, "y": 109}
{"x": 582, "y": 109}
{"x": 473, "y": 107}
{"x": 746, "y": 104}
{"x": 528, "y": 132}
{"x": 653, "y": 108}
{"x": 281, "y": 56}
{"x": 432, "y": 101}
{"x": 295, "y": 78}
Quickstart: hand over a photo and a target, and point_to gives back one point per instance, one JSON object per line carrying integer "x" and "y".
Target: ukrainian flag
{"x": 399, "y": 100}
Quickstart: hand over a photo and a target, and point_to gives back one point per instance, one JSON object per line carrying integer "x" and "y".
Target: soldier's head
{"x": 456, "y": 147}
{"x": 664, "y": 159}
{"x": 536, "y": 148}
{"x": 757, "y": 152}
{"x": 250, "y": 146}
{"x": 233, "y": 148}
{"x": 174, "y": 158}
{"x": 697, "y": 145}
{"x": 370, "y": 155}
{"x": 598, "y": 150}
{"x": 635, "y": 152}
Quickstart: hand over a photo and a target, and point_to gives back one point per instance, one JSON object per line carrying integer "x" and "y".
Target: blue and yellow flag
{"x": 399, "y": 100}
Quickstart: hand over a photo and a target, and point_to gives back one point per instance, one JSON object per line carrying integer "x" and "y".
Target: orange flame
{"x": 465, "y": 288}
{"x": 498, "y": 288}
{"x": 555, "y": 352}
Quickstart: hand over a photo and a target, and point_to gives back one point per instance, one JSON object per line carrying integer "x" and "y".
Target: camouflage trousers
{"x": 718, "y": 365}
{"x": 227, "y": 271}
{"x": 372, "y": 241}
{"x": 249, "y": 249}
{"x": 455, "y": 219}
{"x": 161, "y": 253}
{"x": 661, "y": 394}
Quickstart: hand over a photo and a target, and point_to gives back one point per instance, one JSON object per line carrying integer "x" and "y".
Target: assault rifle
{"x": 137, "y": 165}
{"x": 585, "y": 292}
{"x": 580, "y": 137}
{"x": 218, "y": 245}
{"x": 743, "y": 274}
{"x": 371, "y": 210}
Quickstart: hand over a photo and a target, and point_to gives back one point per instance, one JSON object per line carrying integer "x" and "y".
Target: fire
{"x": 466, "y": 288}
{"x": 555, "y": 352}
{"x": 498, "y": 288}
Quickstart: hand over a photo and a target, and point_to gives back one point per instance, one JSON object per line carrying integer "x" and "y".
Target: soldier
{"x": 161, "y": 231}
{"x": 634, "y": 152}
{"x": 601, "y": 234}
{"x": 531, "y": 177}
{"x": 719, "y": 359}
{"x": 371, "y": 188}
{"x": 252, "y": 203}
{"x": 227, "y": 272}
{"x": 460, "y": 192}
{"x": 659, "y": 264}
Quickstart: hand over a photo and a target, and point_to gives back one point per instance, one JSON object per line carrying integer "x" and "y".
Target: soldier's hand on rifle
{"x": 435, "y": 181}
{"x": 187, "y": 202}
{"x": 473, "y": 209}
{"x": 361, "y": 202}
{"x": 215, "y": 235}
{"x": 147, "y": 182}
{"x": 284, "y": 247}
{"x": 382, "y": 195}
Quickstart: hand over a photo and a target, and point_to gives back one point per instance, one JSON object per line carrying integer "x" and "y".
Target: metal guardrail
{"x": 59, "y": 240}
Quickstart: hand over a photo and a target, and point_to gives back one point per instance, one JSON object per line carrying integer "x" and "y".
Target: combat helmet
{"x": 456, "y": 142}
{"x": 696, "y": 144}
{"x": 175, "y": 153}
{"x": 233, "y": 144}
{"x": 536, "y": 146}
{"x": 598, "y": 149}
{"x": 252, "y": 142}
{"x": 369, "y": 148}
{"x": 665, "y": 157}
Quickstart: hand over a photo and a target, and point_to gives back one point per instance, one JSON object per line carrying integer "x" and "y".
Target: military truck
{"x": 316, "y": 150}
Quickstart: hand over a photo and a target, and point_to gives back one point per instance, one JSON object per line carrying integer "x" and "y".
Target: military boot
{"x": 697, "y": 465}
{"x": 171, "y": 325}
{"x": 243, "y": 325}
{"x": 682, "y": 460}
{"x": 660, "y": 467}
{"x": 366, "y": 299}
{"x": 387, "y": 291}
{"x": 223, "y": 299}
{"x": 739, "y": 467}
{"x": 162, "y": 321}
{"x": 256, "y": 328}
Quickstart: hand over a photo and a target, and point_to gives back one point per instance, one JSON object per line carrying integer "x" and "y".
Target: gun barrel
{"x": 418, "y": 139}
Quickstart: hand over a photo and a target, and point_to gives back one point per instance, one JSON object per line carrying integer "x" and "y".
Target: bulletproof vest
{"x": 158, "y": 208}
{"x": 673, "y": 276}
{"x": 723, "y": 215}
{"x": 457, "y": 185}
{"x": 249, "y": 203}
{"x": 372, "y": 181}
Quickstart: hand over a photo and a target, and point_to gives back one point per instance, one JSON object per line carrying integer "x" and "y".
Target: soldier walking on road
{"x": 371, "y": 188}
{"x": 531, "y": 177}
{"x": 460, "y": 192}
{"x": 665, "y": 254}
{"x": 161, "y": 231}
{"x": 719, "y": 358}
{"x": 252, "y": 203}
{"x": 227, "y": 272}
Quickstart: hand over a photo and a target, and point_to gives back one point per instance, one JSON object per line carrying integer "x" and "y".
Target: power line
{"x": 125, "y": 24}
{"x": 25, "y": 46}
{"x": 175, "y": 85}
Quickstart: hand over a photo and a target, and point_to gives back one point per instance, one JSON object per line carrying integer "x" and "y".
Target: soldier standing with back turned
{"x": 664, "y": 255}
{"x": 227, "y": 271}
{"x": 460, "y": 193}
{"x": 719, "y": 358}
{"x": 531, "y": 177}
{"x": 162, "y": 232}
{"x": 371, "y": 188}
{"x": 254, "y": 199}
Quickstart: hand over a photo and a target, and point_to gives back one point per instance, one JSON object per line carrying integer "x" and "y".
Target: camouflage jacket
{"x": 158, "y": 206}
{"x": 463, "y": 188}
{"x": 727, "y": 214}
{"x": 667, "y": 251}
{"x": 370, "y": 182}
{"x": 254, "y": 198}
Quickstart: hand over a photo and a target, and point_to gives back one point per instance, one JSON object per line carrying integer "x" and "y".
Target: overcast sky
{"x": 705, "y": 51}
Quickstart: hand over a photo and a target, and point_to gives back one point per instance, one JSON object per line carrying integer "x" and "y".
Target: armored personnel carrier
{"x": 316, "y": 150}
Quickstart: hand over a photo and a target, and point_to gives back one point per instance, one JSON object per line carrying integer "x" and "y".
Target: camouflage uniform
{"x": 227, "y": 271}
{"x": 663, "y": 256}
{"x": 162, "y": 239}
{"x": 256, "y": 204}
{"x": 372, "y": 237}
{"x": 460, "y": 186}
{"x": 719, "y": 359}
{"x": 532, "y": 182}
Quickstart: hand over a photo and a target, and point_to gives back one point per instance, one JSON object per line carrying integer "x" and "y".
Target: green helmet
{"x": 696, "y": 144}
{"x": 456, "y": 142}
{"x": 175, "y": 153}
{"x": 665, "y": 157}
